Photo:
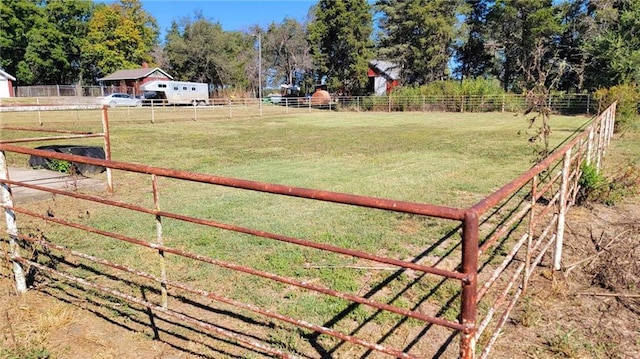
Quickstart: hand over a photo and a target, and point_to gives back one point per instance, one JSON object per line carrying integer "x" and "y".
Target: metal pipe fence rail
{"x": 496, "y": 246}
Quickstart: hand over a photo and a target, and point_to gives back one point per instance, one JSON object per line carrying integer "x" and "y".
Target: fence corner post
{"x": 468, "y": 306}
{"x": 6, "y": 200}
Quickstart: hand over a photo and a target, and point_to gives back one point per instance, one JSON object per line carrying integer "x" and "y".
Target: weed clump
{"x": 596, "y": 188}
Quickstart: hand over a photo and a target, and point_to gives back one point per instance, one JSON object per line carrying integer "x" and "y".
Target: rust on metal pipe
{"x": 504, "y": 228}
{"x": 468, "y": 307}
{"x": 222, "y": 299}
{"x": 27, "y": 129}
{"x": 327, "y": 196}
{"x": 256, "y": 272}
{"x": 511, "y": 187}
{"x": 254, "y": 232}
{"x": 37, "y": 139}
{"x": 131, "y": 299}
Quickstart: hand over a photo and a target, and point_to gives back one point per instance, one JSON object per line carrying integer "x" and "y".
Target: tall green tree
{"x": 200, "y": 50}
{"x": 615, "y": 47}
{"x": 16, "y": 17}
{"x": 474, "y": 52}
{"x": 577, "y": 33}
{"x": 52, "y": 55}
{"x": 339, "y": 36}
{"x": 528, "y": 32}
{"x": 120, "y": 35}
{"x": 286, "y": 51}
{"x": 418, "y": 35}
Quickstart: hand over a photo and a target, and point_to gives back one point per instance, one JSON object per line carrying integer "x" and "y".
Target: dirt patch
{"x": 591, "y": 309}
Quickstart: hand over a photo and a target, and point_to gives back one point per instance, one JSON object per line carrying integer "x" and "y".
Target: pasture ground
{"x": 407, "y": 148}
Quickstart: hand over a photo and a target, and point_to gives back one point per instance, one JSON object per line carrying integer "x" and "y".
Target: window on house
{"x": 184, "y": 88}
{"x": 193, "y": 89}
{"x": 175, "y": 88}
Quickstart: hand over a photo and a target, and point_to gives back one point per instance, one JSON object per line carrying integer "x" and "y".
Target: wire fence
{"x": 567, "y": 104}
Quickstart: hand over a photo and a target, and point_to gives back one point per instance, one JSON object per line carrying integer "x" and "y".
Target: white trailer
{"x": 176, "y": 92}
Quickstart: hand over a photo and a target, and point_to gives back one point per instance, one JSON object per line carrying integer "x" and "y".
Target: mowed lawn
{"x": 451, "y": 159}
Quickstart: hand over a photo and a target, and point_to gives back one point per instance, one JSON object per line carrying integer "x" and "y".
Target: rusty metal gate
{"x": 525, "y": 219}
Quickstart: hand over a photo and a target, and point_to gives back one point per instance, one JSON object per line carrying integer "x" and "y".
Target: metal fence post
{"x": 590, "y": 146}
{"x": 468, "y": 306}
{"x": 107, "y": 146}
{"x": 160, "y": 241}
{"x": 153, "y": 114}
{"x": 531, "y": 230}
{"x": 6, "y": 200}
{"x": 195, "y": 111}
{"x": 562, "y": 209}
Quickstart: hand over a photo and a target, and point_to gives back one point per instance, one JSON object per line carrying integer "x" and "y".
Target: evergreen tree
{"x": 418, "y": 35}
{"x": 527, "y": 31}
{"x": 615, "y": 48}
{"x": 474, "y": 53}
{"x": 339, "y": 36}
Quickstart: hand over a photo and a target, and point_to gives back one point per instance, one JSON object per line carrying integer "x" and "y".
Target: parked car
{"x": 120, "y": 99}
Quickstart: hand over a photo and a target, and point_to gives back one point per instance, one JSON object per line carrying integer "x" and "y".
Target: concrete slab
{"x": 50, "y": 179}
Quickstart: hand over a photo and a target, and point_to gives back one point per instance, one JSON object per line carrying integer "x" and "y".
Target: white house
{"x": 6, "y": 84}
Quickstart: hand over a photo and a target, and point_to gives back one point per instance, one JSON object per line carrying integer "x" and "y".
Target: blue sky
{"x": 233, "y": 15}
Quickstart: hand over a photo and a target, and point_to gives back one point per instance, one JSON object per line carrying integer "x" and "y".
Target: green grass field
{"x": 451, "y": 159}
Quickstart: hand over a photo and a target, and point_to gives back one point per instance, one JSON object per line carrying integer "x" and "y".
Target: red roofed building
{"x": 384, "y": 76}
{"x": 129, "y": 81}
{"x": 6, "y": 84}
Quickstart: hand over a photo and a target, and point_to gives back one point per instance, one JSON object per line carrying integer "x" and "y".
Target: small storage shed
{"x": 383, "y": 77}
{"x": 129, "y": 81}
{"x": 6, "y": 84}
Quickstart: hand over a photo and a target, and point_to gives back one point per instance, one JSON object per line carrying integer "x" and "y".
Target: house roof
{"x": 133, "y": 74}
{"x": 6, "y": 75}
{"x": 386, "y": 68}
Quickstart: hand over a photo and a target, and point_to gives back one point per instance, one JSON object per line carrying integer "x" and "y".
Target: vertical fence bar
{"x": 229, "y": 108}
{"x": 562, "y": 209}
{"x": 468, "y": 307}
{"x": 600, "y": 148}
{"x": 6, "y": 199}
{"x": 39, "y": 114}
{"x": 590, "y": 145}
{"x": 195, "y": 111}
{"x": 611, "y": 118}
{"x": 107, "y": 145}
{"x": 153, "y": 114}
{"x": 160, "y": 240}
{"x": 530, "y": 234}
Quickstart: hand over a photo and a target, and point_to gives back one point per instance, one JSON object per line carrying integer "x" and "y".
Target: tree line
{"x": 571, "y": 45}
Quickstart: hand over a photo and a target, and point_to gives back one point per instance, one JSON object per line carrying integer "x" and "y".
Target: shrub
{"x": 628, "y": 97}
{"x": 594, "y": 187}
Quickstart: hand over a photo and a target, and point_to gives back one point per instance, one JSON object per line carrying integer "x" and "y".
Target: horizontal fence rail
{"x": 496, "y": 246}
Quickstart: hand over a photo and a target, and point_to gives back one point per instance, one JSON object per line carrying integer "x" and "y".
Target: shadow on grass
{"x": 437, "y": 295}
